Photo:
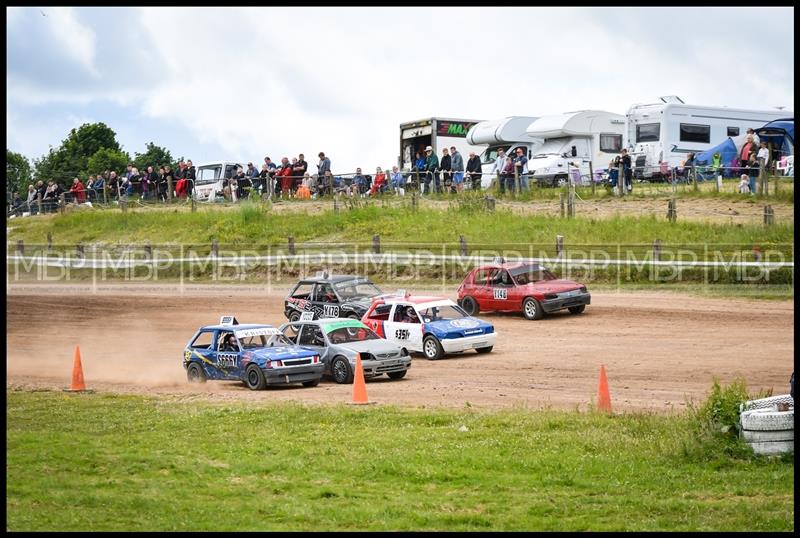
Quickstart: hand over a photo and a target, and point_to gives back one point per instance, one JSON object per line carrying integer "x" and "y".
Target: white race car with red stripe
{"x": 429, "y": 325}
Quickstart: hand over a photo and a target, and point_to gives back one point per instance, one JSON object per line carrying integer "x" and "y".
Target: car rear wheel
{"x": 353, "y": 316}
{"x": 341, "y": 370}
{"x": 432, "y": 348}
{"x": 195, "y": 373}
{"x": 397, "y": 375}
{"x": 254, "y": 378}
{"x": 577, "y": 309}
{"x": 531, "y": 309}
{"x": 312, "y": 383}
{"x": 469, "y": 305}
{"x": 484, "y": 349}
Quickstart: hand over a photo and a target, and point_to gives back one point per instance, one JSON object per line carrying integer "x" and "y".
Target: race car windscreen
{"x": 260, "y": 340}
{"x": 357, "y": 289}
{"x": 436, "y": 313}
{"x": 344, "y": 335}
{"x": 529, "y": 274}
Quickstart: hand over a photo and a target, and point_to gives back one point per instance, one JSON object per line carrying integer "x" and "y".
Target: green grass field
{"x": 253, "y": 225}
{"x": 105, "y": 462}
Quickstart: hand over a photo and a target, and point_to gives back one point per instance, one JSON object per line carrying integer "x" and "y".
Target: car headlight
{"x": 583, "y": 289}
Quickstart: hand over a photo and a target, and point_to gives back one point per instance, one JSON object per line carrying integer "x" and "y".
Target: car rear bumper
{"x": 552, "y": 305}
{"x": 375, "y": 368}
{"x": 451, "y": 345}
{"x": 293, "y": 374}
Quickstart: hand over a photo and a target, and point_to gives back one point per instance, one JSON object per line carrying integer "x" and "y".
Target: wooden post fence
{"x": 49, "y": 240}
{"x": 559, "y": 246}
{"x": 769, "y": 215}
{"x": 21, "y": 247}
{"x": 214, "y": 248}
{"x": 591, "y": 176}
{"x": 291, "y": 245}
{"x": 621, "y": 180}
{"x": 657, "y": 250}
{"x": 376, "y": 244}
{"x": 561, "y": 200}
{"x": 672, "y": 210}
{"x": 463, "y": 245}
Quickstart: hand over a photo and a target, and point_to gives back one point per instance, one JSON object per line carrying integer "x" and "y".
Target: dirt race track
{"x": 657, "y": 348}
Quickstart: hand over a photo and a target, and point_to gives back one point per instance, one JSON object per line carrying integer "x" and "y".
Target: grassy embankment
{"x": 108, "y": 462}
{"x": 253, "y": 229}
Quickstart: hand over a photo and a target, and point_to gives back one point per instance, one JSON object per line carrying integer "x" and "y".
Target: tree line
{"x": 89, "y": 149}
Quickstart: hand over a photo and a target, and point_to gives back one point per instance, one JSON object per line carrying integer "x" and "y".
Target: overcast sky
{"x": 243, "y": 83}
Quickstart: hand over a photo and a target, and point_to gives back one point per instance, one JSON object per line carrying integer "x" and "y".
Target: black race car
{"x": 331, "y": 296}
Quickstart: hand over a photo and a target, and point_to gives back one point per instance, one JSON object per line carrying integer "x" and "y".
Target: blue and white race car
{"x": 258, "y": 355}
{"x": 431, "y": 325}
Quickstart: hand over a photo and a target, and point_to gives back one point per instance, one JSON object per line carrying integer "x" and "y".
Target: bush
{"x": 714, "y": 431}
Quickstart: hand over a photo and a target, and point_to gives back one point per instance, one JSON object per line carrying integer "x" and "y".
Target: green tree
{"x": 18, "y": 173}
{"x": 154, "y": 156}
{"x": 107, "y": 159}
{"x": 71, "y": 158}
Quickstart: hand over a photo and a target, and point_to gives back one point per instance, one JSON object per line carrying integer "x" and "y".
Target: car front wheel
{"x": 484, "y": 349}
{"x": 397, "y": 375}
{"x": 577, "y": 309}
{"x": 195, "y": 373}
{"x": 254, "y": 378}
{"x": 432, "y": 348}
{"x": 341, "y": 370}
{"x": 312, "y": 383}
{"x": 532, "y": 309}
{"x": 294, "y": 317}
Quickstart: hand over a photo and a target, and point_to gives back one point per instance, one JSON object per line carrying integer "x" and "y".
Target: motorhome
{"x": 208, "y": 184}
{"x": 507, "y": 134}
{"x": 573, "y": 140}
{"x": 660, "y": 135}
{"x": 439, "y": 133}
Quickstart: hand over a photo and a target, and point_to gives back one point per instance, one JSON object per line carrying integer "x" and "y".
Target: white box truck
{"x": 507, "y": 134}
{"x": 439, "y": 133}
{"x": 660, "y": 135}
{"x": 571, "y": 141}
{"x": 208, "y": 184}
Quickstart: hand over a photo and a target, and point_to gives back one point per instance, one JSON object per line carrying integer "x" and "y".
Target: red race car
{"x": 511, "y": 287}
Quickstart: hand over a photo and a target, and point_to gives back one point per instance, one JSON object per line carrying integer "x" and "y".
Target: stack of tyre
{"x": 767, "y": 424}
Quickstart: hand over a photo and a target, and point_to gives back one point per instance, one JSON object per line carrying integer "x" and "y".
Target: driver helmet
{"x": 410, "y": 313}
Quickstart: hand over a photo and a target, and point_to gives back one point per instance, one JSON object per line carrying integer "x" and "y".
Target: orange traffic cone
{"x": 603, "y": 396}
{"x": 77, "y": 384}
{"x": 359, "y": 386}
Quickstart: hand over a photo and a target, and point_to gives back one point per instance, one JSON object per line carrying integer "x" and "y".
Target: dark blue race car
{"x": 258, "y": 355}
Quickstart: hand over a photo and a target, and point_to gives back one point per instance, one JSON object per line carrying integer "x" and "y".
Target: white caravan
{"x": 571, "y": 141}
{"x": 507, "y": 134}
{"x": 209, "y": 176}
{"x": 660, "y": 135}
{"x": 439, "y": 133}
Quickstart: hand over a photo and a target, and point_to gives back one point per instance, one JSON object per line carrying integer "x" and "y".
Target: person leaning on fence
{"x": 497, "y": 170}
{"x": 445, "y": 165}
{"x": 419, "y": 169}
{"x": 324, "y": 165}
{"x": 379, "y": 183}
{"x": 31, "y": 201}
{"x": 521, "y": 166}
{"x": 457, "y": 165}
{"x": 398, "y": 181}
{"x": 474, "y": 170}
{"x": 180, "y": 180}
{"x": 613, "y": 172}
{"x": 77, "y": 191}
{"x": 431, "y": 171}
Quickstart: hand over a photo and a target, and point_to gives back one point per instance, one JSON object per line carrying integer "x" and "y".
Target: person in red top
{"x": 378, "y": 182}
{"x": 181, "y": 187}
{"x": 78, "y": 192}
{"x": 747, "y": 155}
{"x": 284, "y": 176}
